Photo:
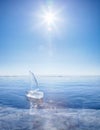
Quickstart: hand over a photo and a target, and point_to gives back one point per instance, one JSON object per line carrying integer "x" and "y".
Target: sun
{"x": 49, "y": 18}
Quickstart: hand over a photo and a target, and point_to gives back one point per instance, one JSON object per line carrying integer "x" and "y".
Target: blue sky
{"x": 71, "y": 48}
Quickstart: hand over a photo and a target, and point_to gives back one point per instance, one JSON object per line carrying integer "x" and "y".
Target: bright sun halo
{"x": 49, "y": 18}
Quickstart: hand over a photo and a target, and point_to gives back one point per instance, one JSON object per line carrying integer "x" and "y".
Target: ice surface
{"x": 70, "y": 92}
{"x": 69, "y": 104}
{"x": 49, "y": 119}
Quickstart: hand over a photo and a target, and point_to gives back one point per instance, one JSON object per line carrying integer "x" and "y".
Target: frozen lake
{"x": 70, "y": 103}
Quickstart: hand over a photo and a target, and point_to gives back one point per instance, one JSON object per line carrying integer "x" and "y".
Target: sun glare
{"x": 49, "y": 18}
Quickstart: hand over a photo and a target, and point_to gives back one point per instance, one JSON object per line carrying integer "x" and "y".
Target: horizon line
{"x": 55, "y": 75}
